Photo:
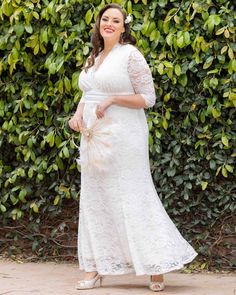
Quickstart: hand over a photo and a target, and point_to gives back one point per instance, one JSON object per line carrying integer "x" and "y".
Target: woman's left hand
{"x": 102, "y": 106}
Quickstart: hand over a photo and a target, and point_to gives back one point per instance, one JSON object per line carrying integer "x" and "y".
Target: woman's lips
{"x": 108, "y": 30}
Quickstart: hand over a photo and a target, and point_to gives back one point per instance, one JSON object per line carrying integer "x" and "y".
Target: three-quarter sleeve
{"x": 141, "y": 77}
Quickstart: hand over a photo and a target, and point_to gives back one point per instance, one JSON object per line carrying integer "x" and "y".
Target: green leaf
{"x": 204, "y": 185}
{"x": 31, "y": 172}
{"x": 58, "y": 141}
{"x": 44, "y": 36}
{"x": 36, "y": 49}
{"x": 216, "y": 113}
{"x": 50, "y": 7}
{"x": 3, "y": 208}
{"x": 145, "y": 27}
{"x": 85, "y": 50}
{"x": 183, "y": 80}
{"x": 177, "y": 70}
{"x": 218, "y": 170}
{"x": 168, "y": 64}
{"x": 88, "y": 16}
{"x": 232, "y": 96}
{"x": 226, "y": 33}
{"x": 177, "y": 149}
{"x": 74, "y": 83}
{"x": 208, "y": 62}
{"x": 35, "y": 14}
{"x": 66, "y": 152}
{"x": 167, "y": 97}
{"x": 61, "y": 86}
{"x": 225, "y": 140}
{"x": 19, "y": 29}
{"x": 224, "y": 49}
{"x": 40, "y": 176}
{"x": 171, "y": 172}
{"x": 212, "y": 164}
{"x": 229, "y": 168}
{"x": 212, "y": 21}
{"x": 56, "y": 200}
{"x": 220, "y": 31}
{"x": 166, "y": 27}
{"x": 230, "y": 53}
{"x": 164, "y": 123}
{"x": 22, "y": 195}
{"x": 50, "y": 138}
{"x": 129, "y": 7}
{"x": 160, "y": 69}
{"x": 153, "y": 35}
{"x": 224, "y": 172}
{"x": 167, "y": 115}
{"x": 170, "y": 39}
{"x": 67, "y": 84}
{"x": 162, "y": 3}
{"x": 7, "y": 8}
{"x": 187, "y": 40}
{"x": 180, "y": 41}
{"x": 29, "y": 29}
{"x": 186, "y": 121}
{"x": 35, "y": 207}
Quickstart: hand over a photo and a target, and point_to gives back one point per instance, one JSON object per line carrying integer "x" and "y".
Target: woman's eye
{"x": 106, "y": 19}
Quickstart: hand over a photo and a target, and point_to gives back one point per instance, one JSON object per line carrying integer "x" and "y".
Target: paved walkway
{"x": 60, "y": 279}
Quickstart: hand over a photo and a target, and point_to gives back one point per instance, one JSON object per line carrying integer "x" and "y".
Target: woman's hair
{"x": 97, "y": 39}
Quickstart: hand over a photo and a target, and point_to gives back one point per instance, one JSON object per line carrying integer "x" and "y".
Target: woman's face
{"x": 112, "y": 25}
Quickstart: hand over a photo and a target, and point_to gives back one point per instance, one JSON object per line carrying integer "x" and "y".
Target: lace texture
{"x": 123, "y": 226}
{"x": 141, "y": 77}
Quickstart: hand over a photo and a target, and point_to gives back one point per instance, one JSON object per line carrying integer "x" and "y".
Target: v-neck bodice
{"x": 124, "y": 71}
{"x": 111, "y": 77}
{"x": 97, "y": 59}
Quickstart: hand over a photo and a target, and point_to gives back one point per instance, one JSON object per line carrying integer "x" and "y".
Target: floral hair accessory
{"x": 128, "y": 19}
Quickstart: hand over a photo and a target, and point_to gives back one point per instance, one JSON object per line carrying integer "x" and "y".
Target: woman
{"x": 123, "y": 227}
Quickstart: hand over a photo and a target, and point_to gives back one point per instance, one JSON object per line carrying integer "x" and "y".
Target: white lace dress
{"x": 123, "y": 226}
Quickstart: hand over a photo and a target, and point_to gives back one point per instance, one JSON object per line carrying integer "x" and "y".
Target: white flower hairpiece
{"x": 128, "y": 19}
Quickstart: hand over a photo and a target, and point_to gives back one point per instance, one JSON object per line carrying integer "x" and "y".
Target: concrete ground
{"x": 60, "y": 279}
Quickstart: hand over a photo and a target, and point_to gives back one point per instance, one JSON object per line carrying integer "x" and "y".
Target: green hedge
{"x": 190, "y": 47}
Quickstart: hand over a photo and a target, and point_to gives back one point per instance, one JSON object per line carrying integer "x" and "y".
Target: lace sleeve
{"x": 141, "y": 77}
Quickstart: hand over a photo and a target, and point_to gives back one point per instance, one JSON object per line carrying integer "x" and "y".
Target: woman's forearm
{"x": 135, "y": 101}
{"x": 80, "y": 109}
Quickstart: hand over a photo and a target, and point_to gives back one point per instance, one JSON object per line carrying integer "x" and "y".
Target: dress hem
{"x": 132, "y": 270}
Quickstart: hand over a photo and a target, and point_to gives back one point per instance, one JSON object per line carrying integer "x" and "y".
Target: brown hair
{"x": 97, "y": 40}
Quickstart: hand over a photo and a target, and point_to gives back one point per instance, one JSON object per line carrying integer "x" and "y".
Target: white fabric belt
{"x": 95, "y": 96}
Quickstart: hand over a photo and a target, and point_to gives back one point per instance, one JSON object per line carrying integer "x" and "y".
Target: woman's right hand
{"x": 76, "y": 122}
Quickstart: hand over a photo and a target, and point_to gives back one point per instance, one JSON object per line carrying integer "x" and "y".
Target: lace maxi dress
{"x": 123, "y": 226}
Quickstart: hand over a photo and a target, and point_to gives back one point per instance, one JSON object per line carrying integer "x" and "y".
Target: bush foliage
{"x": 190, "y": 47}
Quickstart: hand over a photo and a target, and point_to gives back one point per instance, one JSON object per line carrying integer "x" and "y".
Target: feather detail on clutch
{"x": 97, "y": 144}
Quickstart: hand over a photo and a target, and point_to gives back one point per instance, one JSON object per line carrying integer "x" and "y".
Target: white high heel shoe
{"x": 156, "y": 286}
{"x": 89, "y": 284}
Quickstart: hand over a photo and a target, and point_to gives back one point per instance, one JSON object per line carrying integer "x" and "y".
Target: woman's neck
{"x": 108, "y": 46}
